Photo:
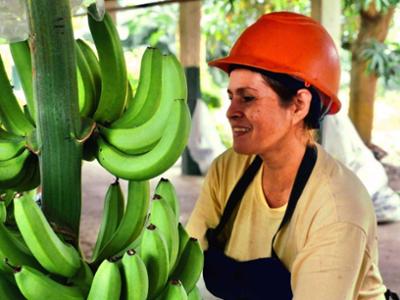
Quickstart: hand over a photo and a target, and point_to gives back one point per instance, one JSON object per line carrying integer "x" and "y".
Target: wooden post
{"x": 327, "y": 13}
{"x": 189, "y": 36}
{"x": 111, "y": 4}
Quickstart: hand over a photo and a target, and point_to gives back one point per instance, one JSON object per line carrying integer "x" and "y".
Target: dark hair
{"x": 286, "y": 87}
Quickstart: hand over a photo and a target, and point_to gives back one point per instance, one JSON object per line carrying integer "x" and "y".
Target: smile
{"x": 238, "y": 131}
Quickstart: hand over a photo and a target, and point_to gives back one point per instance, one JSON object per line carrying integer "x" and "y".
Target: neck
{"x": 279, "y": 172}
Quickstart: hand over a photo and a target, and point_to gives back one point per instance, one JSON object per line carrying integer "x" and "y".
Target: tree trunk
{"x": 374, "y": 25}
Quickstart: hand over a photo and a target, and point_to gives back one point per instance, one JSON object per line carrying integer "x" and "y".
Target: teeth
{"x": 240, "y": 129}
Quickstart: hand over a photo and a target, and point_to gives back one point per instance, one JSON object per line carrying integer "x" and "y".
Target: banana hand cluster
{"x": 142, "y": 251}
{"x": 159, "y": 260}
{"x": 153, "y": 131}
{"x": 19, "y": 166}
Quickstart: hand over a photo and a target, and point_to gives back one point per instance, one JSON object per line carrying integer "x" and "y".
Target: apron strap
{"x": 304, "y": 172}
{"x": 234, "y": 198}
{"x": 214, "y": 236}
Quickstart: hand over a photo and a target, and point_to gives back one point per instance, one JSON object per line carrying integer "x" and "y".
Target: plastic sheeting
{"x": 341, "y": 140}
{"x": 14, "y": 24}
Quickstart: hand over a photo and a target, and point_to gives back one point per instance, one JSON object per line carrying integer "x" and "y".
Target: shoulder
{"x": 229, "y": 165}
{"x": 334, "y": 194}
{"x": 232, "y": 160}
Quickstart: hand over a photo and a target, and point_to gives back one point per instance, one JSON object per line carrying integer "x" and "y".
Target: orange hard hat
{"x": 293, "y": 44}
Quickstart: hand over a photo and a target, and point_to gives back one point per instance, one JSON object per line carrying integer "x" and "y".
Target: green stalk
{"x": 58, "y": 121}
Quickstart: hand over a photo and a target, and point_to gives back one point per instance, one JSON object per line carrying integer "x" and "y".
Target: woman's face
{"x": 259, "y": 123}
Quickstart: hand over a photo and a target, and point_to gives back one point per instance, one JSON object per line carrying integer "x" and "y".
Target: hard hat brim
{"x": 225, "y": 63}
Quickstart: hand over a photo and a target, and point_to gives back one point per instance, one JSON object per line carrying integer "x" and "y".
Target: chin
{"x": 243, "y": 149}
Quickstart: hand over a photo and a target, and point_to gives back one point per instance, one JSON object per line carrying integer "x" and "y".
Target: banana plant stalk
{"x": 58, "y": 122}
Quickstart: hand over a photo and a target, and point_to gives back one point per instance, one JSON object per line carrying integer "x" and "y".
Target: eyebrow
{"x": 241, "y": 90}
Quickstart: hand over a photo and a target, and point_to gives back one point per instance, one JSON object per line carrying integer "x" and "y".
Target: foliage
{"x": 358, "y": 5}
{"x": 351, "y": 17}
{"x": 383, "y": 60}
{"x": 210, "y": 99}
{"x": 155, "y": 26}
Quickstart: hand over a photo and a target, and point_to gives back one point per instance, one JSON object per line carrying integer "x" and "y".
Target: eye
{"x": 248, "y": 98}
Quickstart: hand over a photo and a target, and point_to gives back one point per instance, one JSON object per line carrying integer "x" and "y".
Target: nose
{"x": 234, "y": 111}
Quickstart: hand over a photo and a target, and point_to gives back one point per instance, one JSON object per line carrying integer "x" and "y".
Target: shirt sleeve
{"x": 331, "y": 264}
{"x": 207, "y": 210}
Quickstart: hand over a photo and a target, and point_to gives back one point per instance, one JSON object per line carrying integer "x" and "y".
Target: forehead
{"x": 244, "y": 78}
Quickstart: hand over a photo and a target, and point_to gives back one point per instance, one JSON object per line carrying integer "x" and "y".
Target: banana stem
{"x": 58, "y": 121}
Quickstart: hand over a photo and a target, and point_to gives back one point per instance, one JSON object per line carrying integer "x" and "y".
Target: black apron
{"x": 263, "y": 278}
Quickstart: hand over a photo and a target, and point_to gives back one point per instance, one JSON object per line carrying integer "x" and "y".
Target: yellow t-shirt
{"x": 329, "y": 246}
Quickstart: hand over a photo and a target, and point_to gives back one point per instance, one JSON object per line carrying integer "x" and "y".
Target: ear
{"x": 301, "y": 105}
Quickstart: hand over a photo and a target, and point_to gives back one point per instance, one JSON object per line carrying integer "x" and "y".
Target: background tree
{"x": 370, "y": 58}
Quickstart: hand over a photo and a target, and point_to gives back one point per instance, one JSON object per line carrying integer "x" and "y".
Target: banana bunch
{"x": 35, "y": 263}
{"x": 19, "y": 165}
{"x": 152, "y": 132}
{"x": 141, "y": 251}
{"x": 174, "y": 261}
{"x": 166, "y": 262}
{"x": 136, "y": 136}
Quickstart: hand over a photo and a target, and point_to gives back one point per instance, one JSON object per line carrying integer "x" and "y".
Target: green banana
{"x": 174, "y": 290}
{"x": 11, "y": 114}
{"x": 132, "y": 222}
{"x": 7, "y": 196}
{"x": 135, "y": 276}
{"x": 156, "y": 161}
{"x": 129, "y": 96}
{"x": 50, "y": 251}
{"x": 162, "y": 216}
{"x": 106, "y": 283}
{"x": 183, "y": 239}
{"x": 194, "y": 294}
{"x": 149, "y": 133}
{"x": 35, "y": 285}
{"x": 113, "y": 212}
{"x": 21, "y": 55}
{"x": 86, "y": 84}
{"x": 146, "y": 98}
{"x": 27, "y": 114}
{"x": 6, "y": 135}
{"x": 11, "y": 148}
{"x": 113, "y": 68}
{"x": 154, "y": 253}
{"x": 190, "y": 265}
{"x": 83, "y": 278}
{"x": 12, "y": 249}
{"x": 3, "y": 211}
{"x": 166, "y": 189}
{"x": 14, "y": 170}
{"x": 31, "y": 179}
{"x": 9, "y": 291}
{"x": 94, "y": 67}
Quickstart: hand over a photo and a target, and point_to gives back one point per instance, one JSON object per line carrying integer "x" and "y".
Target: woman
{"x": 277, "y": 216}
